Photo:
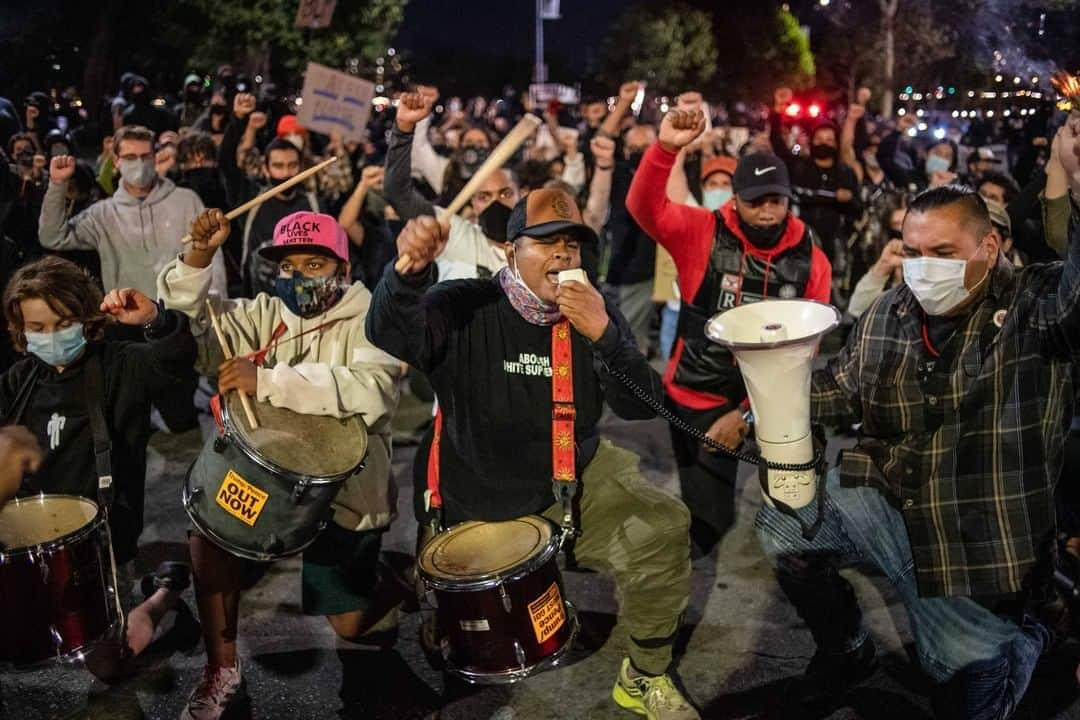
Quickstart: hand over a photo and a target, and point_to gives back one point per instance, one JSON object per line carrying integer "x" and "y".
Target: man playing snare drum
{"x": 330, "y": 370}
{"x": 492, "y": 349}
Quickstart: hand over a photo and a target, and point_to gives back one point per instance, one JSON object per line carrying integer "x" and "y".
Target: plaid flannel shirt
{"x": 970, "y": 452}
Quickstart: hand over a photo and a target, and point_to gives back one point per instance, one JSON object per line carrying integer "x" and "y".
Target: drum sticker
{"x": 548, "y": 613}
{"x": 474, "y": 625}
{"x": 240, "y": 498}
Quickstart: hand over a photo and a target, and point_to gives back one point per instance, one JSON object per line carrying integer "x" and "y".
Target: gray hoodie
{"x": 135, "y": 238}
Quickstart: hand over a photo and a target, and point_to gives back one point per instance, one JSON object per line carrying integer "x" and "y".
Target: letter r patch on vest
{"x": 240, "y": 498}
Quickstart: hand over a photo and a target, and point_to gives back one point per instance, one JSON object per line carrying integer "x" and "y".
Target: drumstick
{"x": 245, "y": 401}
{"x": 498, "y": 157}
{"x": 260, "y": 199}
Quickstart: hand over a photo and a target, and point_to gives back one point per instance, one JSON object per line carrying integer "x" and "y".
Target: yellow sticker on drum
{"x": 548, "y": 613}
{"x": 240, "y": 498}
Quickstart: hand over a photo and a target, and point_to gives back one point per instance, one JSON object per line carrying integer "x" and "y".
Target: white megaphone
{"x": 774, "y": 343}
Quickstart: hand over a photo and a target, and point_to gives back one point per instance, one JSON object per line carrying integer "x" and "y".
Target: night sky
{"x": 504, "y": 29}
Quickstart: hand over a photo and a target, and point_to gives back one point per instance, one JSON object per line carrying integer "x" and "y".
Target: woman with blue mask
{"x": 71, "y": 372}
{"x": 303, "y": 348}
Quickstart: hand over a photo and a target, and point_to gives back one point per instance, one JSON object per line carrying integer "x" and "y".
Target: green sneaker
{"x": 655, "y": 697}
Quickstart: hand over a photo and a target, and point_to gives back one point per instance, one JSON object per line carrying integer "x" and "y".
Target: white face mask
{"x": 937, "y": 283}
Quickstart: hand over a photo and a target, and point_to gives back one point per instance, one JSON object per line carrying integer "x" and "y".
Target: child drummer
{"x": 318, "y": 362}
{"x": 70, "y": 375}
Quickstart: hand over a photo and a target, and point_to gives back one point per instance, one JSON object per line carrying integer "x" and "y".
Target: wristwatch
{"x": 154, "y": 327}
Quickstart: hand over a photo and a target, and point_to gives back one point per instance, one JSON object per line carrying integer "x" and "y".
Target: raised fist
{"x": 61, "y": 168}
{"x": 862, "y": 96}
{"x": 372, "y": 176}
{"x": 412, "y": 108}
{"x": 905, "y": 123}
{"x": 628, "y": 91}
{"x": 130, "y": 307}
{"x": 856, "y": 112}
{"x": 243, "y": 105}
{"x": 680, "y": 128}
{"x": 209, "y": 231}
{"x": 603, "y": 149}
{"x": 258, "y": 120}
{"x": 31, "y": 114}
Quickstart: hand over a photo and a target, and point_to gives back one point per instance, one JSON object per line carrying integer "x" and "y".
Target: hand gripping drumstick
{"x": 245, "y": 401}
{"x": 498, "y": 157}
{"x": 260, "y": 199}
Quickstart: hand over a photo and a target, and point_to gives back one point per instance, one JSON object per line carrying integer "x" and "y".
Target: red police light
{"x": 793, "y": 110}
{"x": 814, "y": 110}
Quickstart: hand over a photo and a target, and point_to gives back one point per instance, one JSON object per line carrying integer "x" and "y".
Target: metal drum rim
{"x": 232, "y": 548}
{"x": 492, "y": 580}
{"x": 51, "y": 546}
{"x": 269, "y": 465}
{"x": 509, "y": 677}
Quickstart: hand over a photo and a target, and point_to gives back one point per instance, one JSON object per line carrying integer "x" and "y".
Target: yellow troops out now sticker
{"x": 548, "y": 613}
{"x": 240, "y": 498}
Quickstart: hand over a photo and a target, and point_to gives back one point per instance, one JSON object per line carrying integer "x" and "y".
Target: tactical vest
{"x": 733, "y": 278}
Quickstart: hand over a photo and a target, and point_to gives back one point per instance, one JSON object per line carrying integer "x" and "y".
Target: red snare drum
{"x": 499, "y": 600}
{"x": 56, "y": 581}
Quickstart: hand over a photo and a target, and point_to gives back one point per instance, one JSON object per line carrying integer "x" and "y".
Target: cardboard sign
{"x": 240, "y": 498}
{"x": 548, "y": 613}
{"x": 334, "y": 100}
{"x": 315, "y": 13}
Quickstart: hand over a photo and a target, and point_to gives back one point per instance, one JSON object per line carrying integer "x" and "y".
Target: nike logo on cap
{"x": 761, "y": 171}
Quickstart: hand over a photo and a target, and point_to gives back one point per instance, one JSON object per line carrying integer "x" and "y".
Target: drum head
{"x": 314, "y": 445}
{"x": 477, "y": 549}
{"x": 40, "y": 519}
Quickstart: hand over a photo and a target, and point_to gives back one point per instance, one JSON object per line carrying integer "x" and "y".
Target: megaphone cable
{"x": 678, "y": 423}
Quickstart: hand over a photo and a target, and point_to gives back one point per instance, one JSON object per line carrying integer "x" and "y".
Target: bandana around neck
{"x": 525, "y": 301}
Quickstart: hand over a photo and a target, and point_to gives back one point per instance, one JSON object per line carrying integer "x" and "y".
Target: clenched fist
{"x": 729, "y": 430}
{"x": 258, "y": 120}
{"x": 422, "y": 239}
{"x": 628, "y": 91}
{"x": 243, "y": 105}
{"x": 412, "y": 108}
{"x": 61, "y": 168}
{"x": 603, "y": 150}
{"x": 130, "y": 307}
{"x": 209, "y": 231}
{"x": 680, "y": 128}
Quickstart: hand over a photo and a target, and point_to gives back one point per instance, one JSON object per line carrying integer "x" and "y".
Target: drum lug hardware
{"x": 219, "y": 444}
{"x": 57, "y": 638}
{"x": 507, "y": 604}
{"x": 520, "y": 653}
{"x": 299, "y": 489}
{"x": 43, "y": 567}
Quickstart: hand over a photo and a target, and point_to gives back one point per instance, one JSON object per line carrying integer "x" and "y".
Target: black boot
{"x": 827, "y": 678}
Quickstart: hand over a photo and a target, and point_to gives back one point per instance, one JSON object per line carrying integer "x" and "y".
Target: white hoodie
{"x": 335, "y": 371}
{"x": 135, "y": 238}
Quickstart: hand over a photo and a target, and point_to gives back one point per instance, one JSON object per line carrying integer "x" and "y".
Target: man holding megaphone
{"x": 962, "y": 379}
{"x": 751, "y": 249}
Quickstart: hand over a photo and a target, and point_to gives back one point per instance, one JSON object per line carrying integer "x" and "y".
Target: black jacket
{"x": 58, "y": 415}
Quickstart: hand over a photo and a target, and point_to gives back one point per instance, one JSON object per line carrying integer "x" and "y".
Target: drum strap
{"x": 22, "y": 398}
{"x": 563, "y": 441}
{"x": 95, "y": 393}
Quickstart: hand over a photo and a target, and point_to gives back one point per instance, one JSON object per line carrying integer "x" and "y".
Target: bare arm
{"x": 627, "y": 92}
{"x": 596, "y": 209}
{"x": 678, "y": 187}
{"x": 847, "y": 140}
{"x": 371, "y": 177}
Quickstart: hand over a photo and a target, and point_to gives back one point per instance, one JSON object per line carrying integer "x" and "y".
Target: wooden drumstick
{"x": 245, "y": 401}
{"x": 498, "y": 157}
{"x": 260, "y": 199}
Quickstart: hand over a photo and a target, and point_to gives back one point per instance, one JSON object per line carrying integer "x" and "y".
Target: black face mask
{"x": 291, "y": 192}
{"x": 24, "y": 158}
{"x": 193, "y": 95}
{"x": 763, "y": 237}
{"x": 493, "y": 221}
{"x": 823, "y": 152}
{"x": 471, "y": 159}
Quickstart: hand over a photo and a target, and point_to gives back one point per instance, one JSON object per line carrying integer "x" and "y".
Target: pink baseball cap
{"x": 307, "y": 232}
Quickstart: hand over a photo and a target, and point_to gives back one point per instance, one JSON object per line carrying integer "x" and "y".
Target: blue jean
{"x": 669, "y": 327}
{"x": 986, "y": 660}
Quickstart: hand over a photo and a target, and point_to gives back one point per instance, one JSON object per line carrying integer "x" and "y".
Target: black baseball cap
{"x": 761, "y": 174}
{"x": 545, "y": 212}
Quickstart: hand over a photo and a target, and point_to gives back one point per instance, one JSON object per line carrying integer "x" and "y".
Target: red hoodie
{"x": 688, "y": 233}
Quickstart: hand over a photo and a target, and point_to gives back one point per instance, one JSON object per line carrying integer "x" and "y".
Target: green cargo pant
{"x": 640, "y": 535}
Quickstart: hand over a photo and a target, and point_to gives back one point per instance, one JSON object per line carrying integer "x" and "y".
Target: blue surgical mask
{"x": 60, "y": 348}
{"x": 936, "y": 163}
{"x": 715, "y": 199}
{"x": 309, "y": 297}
